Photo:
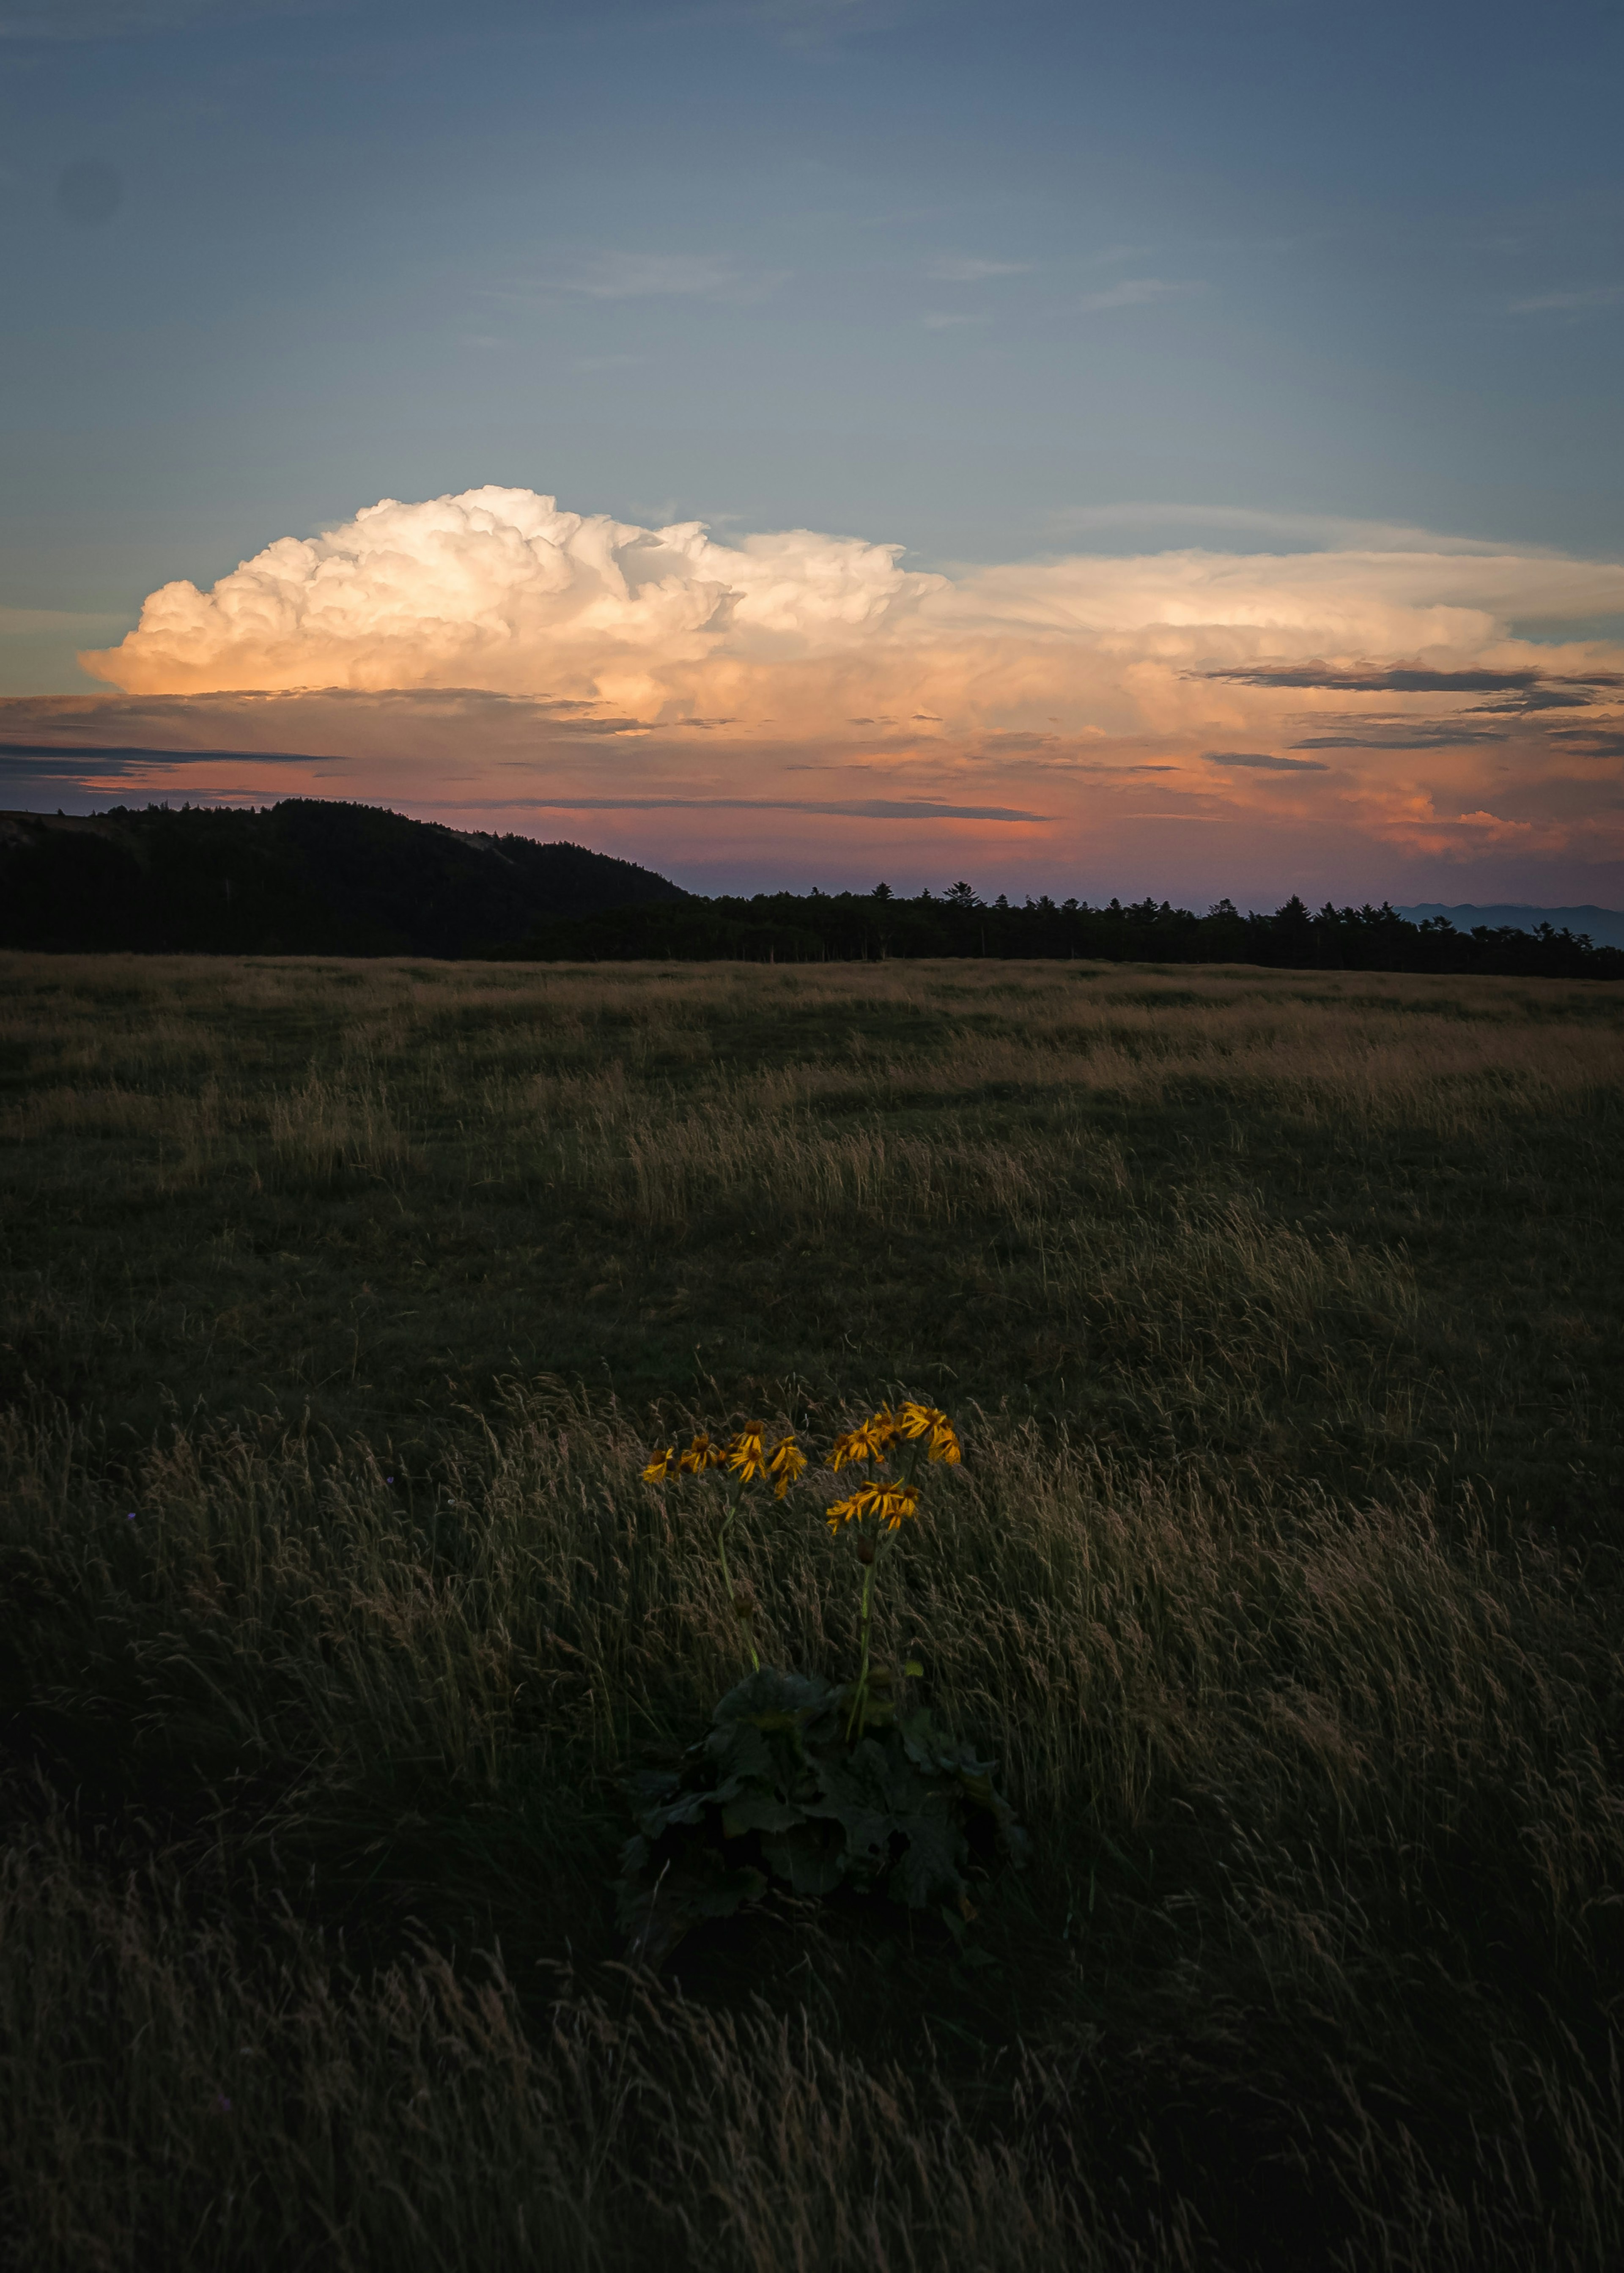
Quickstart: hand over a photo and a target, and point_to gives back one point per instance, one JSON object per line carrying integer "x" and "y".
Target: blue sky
{"x": 992, "y": 283}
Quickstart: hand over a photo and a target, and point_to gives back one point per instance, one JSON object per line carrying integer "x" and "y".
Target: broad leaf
{"x": 776, "y": 1781}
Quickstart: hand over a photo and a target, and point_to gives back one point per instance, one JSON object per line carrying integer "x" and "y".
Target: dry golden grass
{"x": 509, "y": 1058}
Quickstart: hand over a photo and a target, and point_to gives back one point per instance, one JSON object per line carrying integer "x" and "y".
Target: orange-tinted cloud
{"x": 1324, "y": 712}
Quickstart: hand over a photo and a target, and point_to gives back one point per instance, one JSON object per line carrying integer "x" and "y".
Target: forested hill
{"x": 315, "y": 877}
{"x": 841, "y": 926}
{"x": 304, "y": 877}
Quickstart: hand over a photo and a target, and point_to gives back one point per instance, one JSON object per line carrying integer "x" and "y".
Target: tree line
{"x": 851, "y": 926}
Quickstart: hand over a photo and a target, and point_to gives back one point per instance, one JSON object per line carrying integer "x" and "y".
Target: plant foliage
{"x": 776, "y": 1789}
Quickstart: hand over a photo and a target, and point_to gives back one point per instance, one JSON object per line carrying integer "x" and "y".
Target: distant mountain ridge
{"x": 309, "y": 876}
{"x": 1604, "y": 926}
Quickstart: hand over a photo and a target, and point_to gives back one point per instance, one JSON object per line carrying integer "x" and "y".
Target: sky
{"x": 1167, "y": 448}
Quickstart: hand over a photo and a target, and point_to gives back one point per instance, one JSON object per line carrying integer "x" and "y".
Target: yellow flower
{"x": 745, "y": 1456}
{"x": 890, "y": 1504}
{"x": 899, "y": 1503}
{"x": 880, "y": 1431}
{"x": 659, "y": 1466}
{"x": 918, "y": 1420}
{"x": 870, "y": 1440}
{"x": 786, "y": 1463}
{"x": 702, "y": 1453}
{"x": 868, "y": 1499}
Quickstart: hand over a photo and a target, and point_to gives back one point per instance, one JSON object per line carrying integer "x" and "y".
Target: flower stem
{"x": 858, "y": 1716}
{"x": 857, "y": 1719}
{"x": 728, "y": 1514}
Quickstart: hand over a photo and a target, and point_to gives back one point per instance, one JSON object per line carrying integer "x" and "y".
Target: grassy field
{"x": 1283, "y": 1320}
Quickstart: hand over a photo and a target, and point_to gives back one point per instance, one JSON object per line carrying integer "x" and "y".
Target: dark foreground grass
{"x": 1282, "y": 1321}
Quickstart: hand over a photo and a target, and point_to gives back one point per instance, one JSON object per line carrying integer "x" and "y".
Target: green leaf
{"x": 929, "y": 1869}
{"x": 759, "y": 1811}
{"x": 721, "y": 1897}
{"x": 689, "y": 1807}
{"x": 812, "y": 1864}
{"x": 919, "y": 1740}
{"x": 742, "y": 1751}
{"x": 777, "y": 1767}
{"x": 770, "y": 1693}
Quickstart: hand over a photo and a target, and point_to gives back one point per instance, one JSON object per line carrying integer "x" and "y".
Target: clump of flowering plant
{"x": 823, "y": 1787}
{"x": 743, "y": 1460}
{"x": 872, "y": 1514}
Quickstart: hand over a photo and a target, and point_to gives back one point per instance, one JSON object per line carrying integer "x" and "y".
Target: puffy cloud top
{"x": 500, "y": 587}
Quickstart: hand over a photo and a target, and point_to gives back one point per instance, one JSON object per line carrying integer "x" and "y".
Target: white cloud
{"x": 775, "y": 641}
{"x": 492, "y": 647}
{"x": 1312, "y": 532}
{"x": 1137, "y": 292}
{"x": 653, "y": 276}
{"x": 952, "y": 270}
{"x": 1576, "y": 302}
{"x": 497, "y": 588}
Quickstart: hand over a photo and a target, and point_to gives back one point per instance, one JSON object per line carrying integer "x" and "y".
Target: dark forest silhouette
{"x": 315, "y": 877}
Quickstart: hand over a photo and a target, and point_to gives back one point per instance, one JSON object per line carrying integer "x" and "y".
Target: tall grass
{"x": 1312, "y": 1777}
{"x": 1281, "y": 1320}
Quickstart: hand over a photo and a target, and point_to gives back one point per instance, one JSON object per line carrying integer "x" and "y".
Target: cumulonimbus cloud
{"x": 502, "y": 588}
{"x": 596, "y": 658}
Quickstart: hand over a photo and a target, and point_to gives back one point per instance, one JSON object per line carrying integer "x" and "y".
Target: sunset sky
{"x": 1170, "y": 447}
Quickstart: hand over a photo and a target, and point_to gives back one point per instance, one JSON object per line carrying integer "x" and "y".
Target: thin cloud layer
{"x": 1136, "y": 292}
{"x": 1264, "y": 762}
{"x": 1410, "y": 678}
{"x": 968, "y": 269}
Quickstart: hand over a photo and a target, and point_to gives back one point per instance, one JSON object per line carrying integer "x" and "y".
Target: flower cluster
{"x": 889, "y": 1504}
{"x": 922, "y": 1426}
{"x": 745, "y": 1454}
{"x": 869, "y": 1516}
{"x": 928, "y": 1421}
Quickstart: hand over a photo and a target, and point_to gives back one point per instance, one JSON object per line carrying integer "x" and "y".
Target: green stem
{"x": 728, "y": 1514}
{"x": 857, "y": 1719}
{"x": 858, "y": 1716}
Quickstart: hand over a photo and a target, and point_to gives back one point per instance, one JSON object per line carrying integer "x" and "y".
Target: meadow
{"x": 1282, "y": 1319}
